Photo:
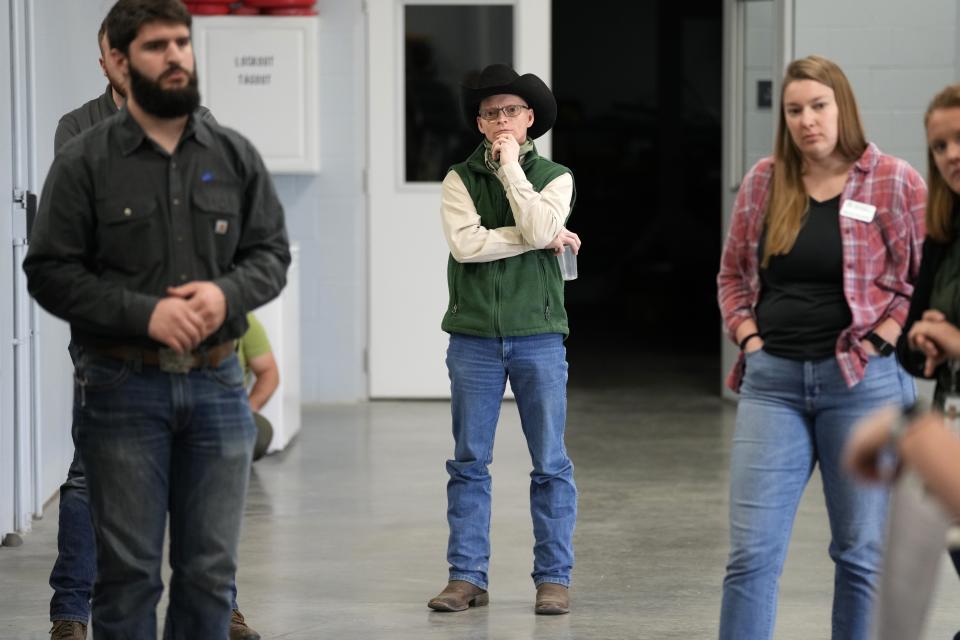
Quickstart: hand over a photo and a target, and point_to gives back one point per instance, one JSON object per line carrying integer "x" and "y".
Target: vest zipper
{"x": 543, "y": 286}
{"x": 456, "y": 290}
{"x": 498, "y": 274}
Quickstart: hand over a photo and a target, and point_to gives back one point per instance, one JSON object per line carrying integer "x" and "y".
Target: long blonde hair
{"x": 940, "y": 198}
{"x": 788, "y": 203}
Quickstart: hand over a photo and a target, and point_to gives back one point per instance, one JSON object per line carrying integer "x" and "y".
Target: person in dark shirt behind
{"x": 154, "y": 258}
{"x": 101, "y": 107}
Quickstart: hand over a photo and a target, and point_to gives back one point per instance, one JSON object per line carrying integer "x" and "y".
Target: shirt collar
{"x": 199, "y": 129}
{"x": 131, "y": 134}
{"x": 868, "y": 159}
{"x": 107, "y": 100}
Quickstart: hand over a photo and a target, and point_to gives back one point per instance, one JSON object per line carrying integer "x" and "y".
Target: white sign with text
{"x": 258, "y": 75}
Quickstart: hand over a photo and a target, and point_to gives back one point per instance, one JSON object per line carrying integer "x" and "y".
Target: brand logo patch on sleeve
{"x": 220, "y": 227}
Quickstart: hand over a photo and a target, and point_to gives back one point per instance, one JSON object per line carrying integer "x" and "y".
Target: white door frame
{"x": 8, "y": 483}
{"x": 19, "y": 432}
{"x": 407, "y": 253}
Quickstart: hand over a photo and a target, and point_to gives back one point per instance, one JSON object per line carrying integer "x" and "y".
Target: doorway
{"x": 640, "y": 115}
{"x": 419, "y": 51}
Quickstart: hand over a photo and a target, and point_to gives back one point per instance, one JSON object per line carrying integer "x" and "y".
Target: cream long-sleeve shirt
{"x": 539, "y": 216}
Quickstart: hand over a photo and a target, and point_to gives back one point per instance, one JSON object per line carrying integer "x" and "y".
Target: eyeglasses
{"x": 510, "y": 110}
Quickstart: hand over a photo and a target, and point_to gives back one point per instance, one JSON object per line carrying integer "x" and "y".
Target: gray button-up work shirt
{"x": 84, "y": 117}
{"x": 121, "y": 220}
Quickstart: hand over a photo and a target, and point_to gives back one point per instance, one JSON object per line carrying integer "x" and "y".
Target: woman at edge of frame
{"x": 928, "y": 443}
{"x": 937, "y": 295}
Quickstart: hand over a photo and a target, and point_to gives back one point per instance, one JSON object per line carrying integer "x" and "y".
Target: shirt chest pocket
{"x": 129, "y": 235}
{"x": 216, "y": 225}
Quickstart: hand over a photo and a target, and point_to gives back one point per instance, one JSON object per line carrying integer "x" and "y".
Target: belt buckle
{"x": 172, "y": 362}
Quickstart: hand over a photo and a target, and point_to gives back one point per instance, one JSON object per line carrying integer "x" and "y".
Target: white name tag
{"x": 951, "y": 412}
{"x": 858, "y": 210}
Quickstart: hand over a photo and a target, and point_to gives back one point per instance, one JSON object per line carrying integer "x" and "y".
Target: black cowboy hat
{"x": 498, "y": 79}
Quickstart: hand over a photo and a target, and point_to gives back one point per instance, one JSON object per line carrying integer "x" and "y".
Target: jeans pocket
{"x": 752, "y": 363}
{"x": 882, "y": 365}
{"x": 101, "y": 374}
{"x": 228, "y": 375}
{"x": 908, "y": 386}
{"x": 750, "y": 357}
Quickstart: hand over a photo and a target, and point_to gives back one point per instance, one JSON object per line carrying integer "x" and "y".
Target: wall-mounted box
{"x": 258, "y": 75}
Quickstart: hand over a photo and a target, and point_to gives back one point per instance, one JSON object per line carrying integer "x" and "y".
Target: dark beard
{"x": 160, "y": 102}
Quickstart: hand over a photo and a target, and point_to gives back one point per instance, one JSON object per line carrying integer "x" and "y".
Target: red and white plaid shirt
{"x": 880, "y": 258}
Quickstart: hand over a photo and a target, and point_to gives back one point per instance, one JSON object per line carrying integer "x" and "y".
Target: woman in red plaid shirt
{"x": 814, "y": 285}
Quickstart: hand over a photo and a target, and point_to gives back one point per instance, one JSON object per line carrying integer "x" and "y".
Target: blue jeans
{"x": 537, "y": 369}
{"x": 791, "y": 416}
{"x": 76, "y": 566}
{"x": 150, "y": 443}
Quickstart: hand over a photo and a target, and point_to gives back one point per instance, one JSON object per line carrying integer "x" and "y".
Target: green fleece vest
{"x": 517, "y": 296}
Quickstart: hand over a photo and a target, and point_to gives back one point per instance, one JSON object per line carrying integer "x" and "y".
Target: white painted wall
{"x": 327, "y": 214}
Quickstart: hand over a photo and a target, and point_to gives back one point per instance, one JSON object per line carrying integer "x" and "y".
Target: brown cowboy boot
{"x": 239, "y": 629}
{"x": 459, "y": 595}
{"x": 68, "y": 630}
{"x": 552, "y": 599}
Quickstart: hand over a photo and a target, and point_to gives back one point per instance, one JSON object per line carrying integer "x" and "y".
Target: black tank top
{"x": 802, "y": 308}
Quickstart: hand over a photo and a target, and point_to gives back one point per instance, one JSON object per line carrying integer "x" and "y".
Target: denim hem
{"x": 470, "y": 579}
{"x": 561, "y": 581}
{"x": 66, "y": 617}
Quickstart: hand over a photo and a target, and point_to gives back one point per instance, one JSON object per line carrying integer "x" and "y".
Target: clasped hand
{"x": 188, "y": 315}
{"x": 565, "y": 237}
{"x": 938, "y": 339}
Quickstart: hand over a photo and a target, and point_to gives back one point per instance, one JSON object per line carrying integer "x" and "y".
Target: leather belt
{"x": 169, "y": 360}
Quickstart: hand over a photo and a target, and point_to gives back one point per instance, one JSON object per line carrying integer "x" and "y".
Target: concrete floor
{"x": 345, "y": 532}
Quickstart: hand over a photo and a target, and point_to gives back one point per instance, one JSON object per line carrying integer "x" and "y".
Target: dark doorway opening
{"x": 638, "y": 85}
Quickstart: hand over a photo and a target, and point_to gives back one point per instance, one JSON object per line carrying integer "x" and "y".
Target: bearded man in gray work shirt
{"x": 74, "y": 570}
{"x": 158, "y": 231}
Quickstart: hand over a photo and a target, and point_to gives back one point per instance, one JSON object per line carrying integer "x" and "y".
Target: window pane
{"x": 442, "y": 45}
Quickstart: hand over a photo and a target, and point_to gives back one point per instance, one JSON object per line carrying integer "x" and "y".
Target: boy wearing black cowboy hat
{"x": 504, "y": 211}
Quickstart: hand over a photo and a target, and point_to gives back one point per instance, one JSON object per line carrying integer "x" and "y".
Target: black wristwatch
{"x": 883, "y": 347}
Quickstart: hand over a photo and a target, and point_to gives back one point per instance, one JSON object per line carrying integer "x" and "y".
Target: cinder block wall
{"x": 897, "y": 55}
